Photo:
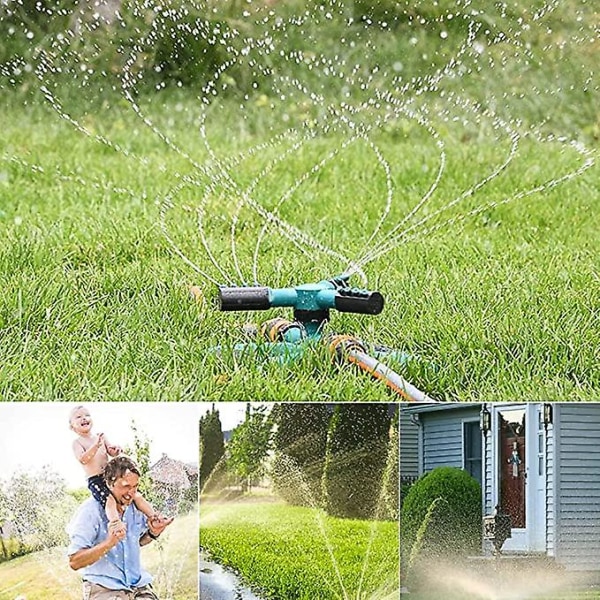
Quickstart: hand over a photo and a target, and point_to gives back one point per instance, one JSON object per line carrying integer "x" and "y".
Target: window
{"x": 472, "y": 458}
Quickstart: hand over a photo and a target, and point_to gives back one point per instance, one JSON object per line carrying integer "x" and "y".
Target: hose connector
{"x": 339, "y": 346}
{"x": 282, "y": 330}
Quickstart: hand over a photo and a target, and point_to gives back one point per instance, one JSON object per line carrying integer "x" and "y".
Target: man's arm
{"x": 146, "y": 539}
{"x": 155, "y": 528}
{"x": 88, "y": 556}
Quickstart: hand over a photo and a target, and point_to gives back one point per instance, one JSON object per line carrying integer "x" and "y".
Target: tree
{"x": 3, "y": 520}
{"x": 140, "y": 453}
{"x": 38, "y": 508}
{"x": 79, "y": 494}
{"x": 300, "y": 442}
{"x": 249, "y": 445}
{"x": 357, "y": 450}
{"x": 212, "y": 445}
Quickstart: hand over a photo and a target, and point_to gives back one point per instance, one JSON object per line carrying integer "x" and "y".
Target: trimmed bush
{"x": 441, "y": 516}
{"x": 405, "y": 484}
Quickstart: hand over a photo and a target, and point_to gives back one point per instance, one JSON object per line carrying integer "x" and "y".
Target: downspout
{"x": 546, "y": 479}
{"x": 556, "y": 483}
{"x": 415, "y": 419}
{"x": 484, "y": 426}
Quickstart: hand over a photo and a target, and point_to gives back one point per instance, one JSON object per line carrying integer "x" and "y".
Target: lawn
{"x": 292, "y": 552}
{"x": 46, "y": 575}
{"x": 491, "y": 285}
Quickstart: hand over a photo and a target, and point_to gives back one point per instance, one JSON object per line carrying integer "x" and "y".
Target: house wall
{"x": 577, "y": 494}
{"x": 572, "y": 474}
{"x": 443, "y": 436}
{"x": 409, "y": 445}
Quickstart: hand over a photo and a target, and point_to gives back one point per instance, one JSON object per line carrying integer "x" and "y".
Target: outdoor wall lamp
{"x": 547, "y": 414}
{"x": 485, "y": 419}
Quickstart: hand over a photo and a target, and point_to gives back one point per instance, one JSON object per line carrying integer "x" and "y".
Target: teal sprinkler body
{"x": 311, "y": 304}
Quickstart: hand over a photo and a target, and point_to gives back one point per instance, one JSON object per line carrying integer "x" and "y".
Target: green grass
{"x": 498, "y": 296}
{"x": 94, "y": 305}
{"x": 282, "y": 552}
{"x": 46, "y": 575}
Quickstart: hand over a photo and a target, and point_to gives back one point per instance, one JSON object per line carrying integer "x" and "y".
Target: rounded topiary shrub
{"x": 441, "y": 516}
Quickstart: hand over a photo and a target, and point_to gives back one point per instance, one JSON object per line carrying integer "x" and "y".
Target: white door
{"x": 519, "y": 484}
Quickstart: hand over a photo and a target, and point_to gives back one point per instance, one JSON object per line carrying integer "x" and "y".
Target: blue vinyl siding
{"x": 409, "y": 445}
{"x": 577, "y": 496}
{"x": 443, "y": 437}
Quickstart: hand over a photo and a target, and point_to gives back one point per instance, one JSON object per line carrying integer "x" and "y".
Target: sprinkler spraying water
{"x": 278, "y": 136}
{"x": 321, "y": 500}
{"x": 288, "y": 340}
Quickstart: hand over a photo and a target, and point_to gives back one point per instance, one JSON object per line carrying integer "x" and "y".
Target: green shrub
{"x": 405, "y": 485}
{"x": 453, "y": 526}
{"x": 13, "y": 548}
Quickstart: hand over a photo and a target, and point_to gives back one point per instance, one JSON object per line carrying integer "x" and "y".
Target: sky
{"x": 33, "y": 434}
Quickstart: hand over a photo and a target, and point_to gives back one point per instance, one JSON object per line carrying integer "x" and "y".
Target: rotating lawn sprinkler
{"x": 287, "y": 340}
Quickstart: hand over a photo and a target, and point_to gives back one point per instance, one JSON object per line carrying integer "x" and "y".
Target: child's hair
{"x": 73, "y": 411}
{"x": 117, "y": 467}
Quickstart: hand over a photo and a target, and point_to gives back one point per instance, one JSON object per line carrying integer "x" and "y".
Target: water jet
{"x": 314, "y": 521}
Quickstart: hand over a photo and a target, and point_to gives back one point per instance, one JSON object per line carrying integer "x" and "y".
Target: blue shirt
{"x": 120, "y": 568}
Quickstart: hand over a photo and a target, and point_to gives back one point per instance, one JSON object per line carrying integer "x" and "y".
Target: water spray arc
{"x": 333, "y": 134}
{"x": 288, "y": 340}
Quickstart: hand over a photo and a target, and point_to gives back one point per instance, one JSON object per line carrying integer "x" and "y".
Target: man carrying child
{"x": 108, "y": 554}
